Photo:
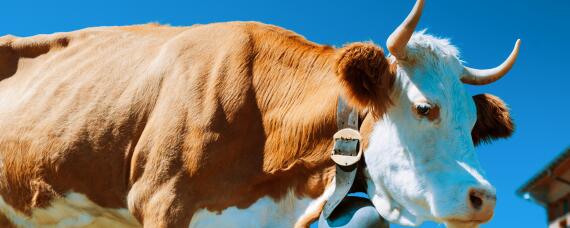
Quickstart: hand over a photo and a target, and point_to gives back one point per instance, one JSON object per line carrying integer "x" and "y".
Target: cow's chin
{"x": 389, "y": 209}
{"x": 392, "y": 211}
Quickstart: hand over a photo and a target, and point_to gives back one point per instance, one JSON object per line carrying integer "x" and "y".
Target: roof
{"x": 544, "y": 172}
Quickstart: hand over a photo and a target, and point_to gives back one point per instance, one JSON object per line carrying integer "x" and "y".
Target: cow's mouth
{"x": 464, "y": 221}
{"x": 462, "y": 224}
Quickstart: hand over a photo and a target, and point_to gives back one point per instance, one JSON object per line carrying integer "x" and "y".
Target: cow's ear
{"x": 493, "y": 119}
{"x": 366, "y": 75}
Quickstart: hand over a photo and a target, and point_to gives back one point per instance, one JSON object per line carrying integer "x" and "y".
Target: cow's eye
{"x": 423, "y": 109}
{"x": 427, "y": 110}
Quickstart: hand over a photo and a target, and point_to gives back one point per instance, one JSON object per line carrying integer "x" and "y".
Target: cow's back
{"x": 72, "y": 105}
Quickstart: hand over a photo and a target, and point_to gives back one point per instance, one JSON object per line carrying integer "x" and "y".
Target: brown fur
{"x": 177, "y": 118}
{"x": 493, "y": 119}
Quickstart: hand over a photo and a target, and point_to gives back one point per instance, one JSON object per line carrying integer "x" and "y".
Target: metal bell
{"x": 355, "y": 212}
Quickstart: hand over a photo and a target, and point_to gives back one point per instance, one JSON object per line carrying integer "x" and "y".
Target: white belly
{"x": 76, "y": 210}
{"x": 265, "y": 212}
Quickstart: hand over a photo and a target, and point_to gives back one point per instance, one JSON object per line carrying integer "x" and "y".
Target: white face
{"x": 424, "y": 166}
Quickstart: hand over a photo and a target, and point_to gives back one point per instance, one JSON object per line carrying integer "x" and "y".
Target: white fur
{"x": 420, "y": 169}
{"x": 73, "y": 210}
{"x": 76, "y": 210}
{"x": 265, "y": 212}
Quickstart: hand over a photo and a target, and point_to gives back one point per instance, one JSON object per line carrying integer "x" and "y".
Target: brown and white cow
{"x": 231, "y": 124}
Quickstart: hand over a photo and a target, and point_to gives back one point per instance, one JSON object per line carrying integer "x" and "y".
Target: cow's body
{"x": 155, "y": 118}
{"x": 231, "y": 124}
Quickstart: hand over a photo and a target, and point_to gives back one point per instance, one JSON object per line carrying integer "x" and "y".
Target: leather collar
{"x": 347, "y": 146}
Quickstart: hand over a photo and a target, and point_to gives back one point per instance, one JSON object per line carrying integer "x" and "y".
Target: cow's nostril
{"x": 480, "y": 204}
{"x": 476, "y": 201}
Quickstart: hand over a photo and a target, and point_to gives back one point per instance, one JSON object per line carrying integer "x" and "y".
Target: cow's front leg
{"x": 162, "y": 204}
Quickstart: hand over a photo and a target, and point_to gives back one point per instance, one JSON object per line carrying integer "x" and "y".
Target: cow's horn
{"x": 399, "y": 38}
{"x": 486, "y": 76}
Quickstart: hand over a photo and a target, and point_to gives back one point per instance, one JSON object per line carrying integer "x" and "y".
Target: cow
{"x": 231, "y": 124}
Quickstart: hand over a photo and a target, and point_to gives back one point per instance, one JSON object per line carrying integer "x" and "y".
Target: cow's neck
{"x": 296, "y": 92}
{"x": 298, "y": 105}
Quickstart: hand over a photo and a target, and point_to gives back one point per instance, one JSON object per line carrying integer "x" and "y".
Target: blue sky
{"x": 485, "y": 30}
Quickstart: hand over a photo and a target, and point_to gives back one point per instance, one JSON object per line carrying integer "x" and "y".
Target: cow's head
{"x": 421, "y": 160}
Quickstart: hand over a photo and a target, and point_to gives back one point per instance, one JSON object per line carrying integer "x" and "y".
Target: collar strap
{"x": 347, "y": 151}
{"x": 346, "y": 116}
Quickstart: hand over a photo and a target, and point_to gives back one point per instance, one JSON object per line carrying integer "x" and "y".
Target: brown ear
{"x": 366, "y": 75}
{"x": 493, "y": 119}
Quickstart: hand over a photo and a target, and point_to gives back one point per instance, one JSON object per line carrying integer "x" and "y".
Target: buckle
{"x": 347, "y": 150}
